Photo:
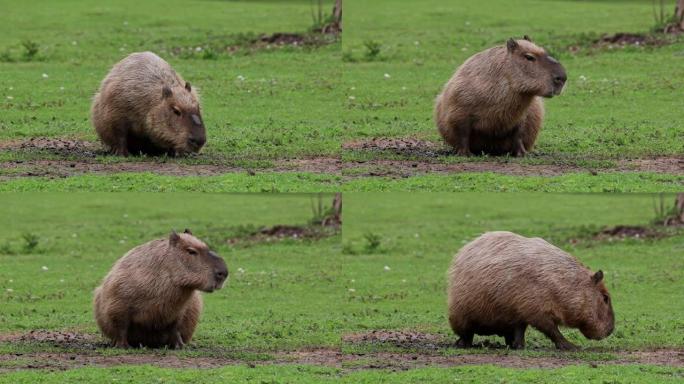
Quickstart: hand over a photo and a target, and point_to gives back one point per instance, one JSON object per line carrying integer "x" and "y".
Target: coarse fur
{"x": 150, "y": 297}
{"x": 502, "y": 282}
{"x": 144, "y": 106}
{"x": 493, "y": 103}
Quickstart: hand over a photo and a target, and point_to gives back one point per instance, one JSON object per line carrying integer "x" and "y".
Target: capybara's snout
{"x": 220, "y": 271}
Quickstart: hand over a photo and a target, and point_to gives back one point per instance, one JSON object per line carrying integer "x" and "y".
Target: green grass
{"x": 256, "y": 104}
{"x": 265, "y": 105}
{"x": 308, "y": 374}
{"x": 418, "y": 233}
{"x": 273, "y": 300}
{"x": 611, "y": 108}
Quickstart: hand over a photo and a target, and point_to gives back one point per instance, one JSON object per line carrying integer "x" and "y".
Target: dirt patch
{"x": 628, "y": 231}
{"x": 406, "y": 146}
{"x": 281, "y": 232}
{"x": 79, "y": 351}
{"x": 626, "y": 39}
{"x": 330, "y": 358}
{"x": 400, "y": 339}
{"x": 56, "y": 146}
{"x": 60, "y": 339}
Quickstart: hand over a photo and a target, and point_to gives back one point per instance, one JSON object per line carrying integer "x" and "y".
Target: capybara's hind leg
{"x": 518, "y": 337}
{"x": 517, "y": 144}
{"x": 188, "y": 323}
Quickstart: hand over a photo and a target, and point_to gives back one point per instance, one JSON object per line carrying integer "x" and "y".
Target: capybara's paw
{"x": 123, "y": 344}
{"x": 461, "y": 343}
{"x": 567, "y": 346}
{"x": 465, "y": 152}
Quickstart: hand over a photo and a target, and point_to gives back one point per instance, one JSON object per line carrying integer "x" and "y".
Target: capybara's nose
{"x": 560, "y": 78}
{"x": 221, "y": 274}
{"x": 197, "y": 141}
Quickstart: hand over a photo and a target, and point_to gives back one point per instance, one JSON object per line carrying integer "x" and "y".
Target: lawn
{"x": 306, "y": 309}
{"x": 257, "y": 103}
{"x": 289, "y": 112}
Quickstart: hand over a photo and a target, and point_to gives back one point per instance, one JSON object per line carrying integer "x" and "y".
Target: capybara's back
{"x": 144, "y": 106}
{"x": 501, "y": 282}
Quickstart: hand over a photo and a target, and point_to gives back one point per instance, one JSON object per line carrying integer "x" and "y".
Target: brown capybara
{"x": 144, "y": 106}
{"x": 502, "y": 282}
{"x": 493, "y": 103}
{"x": 150, "y": 297}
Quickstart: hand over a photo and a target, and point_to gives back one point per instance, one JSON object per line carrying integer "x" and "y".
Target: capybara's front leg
{"x": 552, "y": 332}
{"x": 517, "y": 145}
{"x": 121, "y": 147}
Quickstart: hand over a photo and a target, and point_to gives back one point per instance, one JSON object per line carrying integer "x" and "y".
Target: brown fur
{"x": 144, "y": 106}
{"x": 150, "y": 297}
{"x": 493, "y": 103}
{"x": 502, "y": 282}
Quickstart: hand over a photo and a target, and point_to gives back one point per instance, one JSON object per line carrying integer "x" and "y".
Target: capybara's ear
{"x": 511, "y": 44}
{"x": 173, "y": 238}
{"x": 188, "y": 87}
{"x": 527, "y": 38}
{"x": 598, "y": 276}
{"x": 166, "y": 92}
{"x": 187, "y": 231}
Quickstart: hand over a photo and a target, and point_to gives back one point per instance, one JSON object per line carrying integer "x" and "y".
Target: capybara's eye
{"x": 606, "y": 299}
{"x": 530, "y": 57}
{"x": 192, "y": 251}
{"x": 176, "y": 111}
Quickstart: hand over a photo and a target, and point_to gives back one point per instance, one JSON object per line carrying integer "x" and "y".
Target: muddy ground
{"x": 75, "y": 157}
{"x": 420, "y": 350}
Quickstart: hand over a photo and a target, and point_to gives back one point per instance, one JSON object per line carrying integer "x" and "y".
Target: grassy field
{"x": 257, "y": 104}
{"x": 284, "y": 299}
{"x": 266, "y": 106}
{"x": 80, "y": 236}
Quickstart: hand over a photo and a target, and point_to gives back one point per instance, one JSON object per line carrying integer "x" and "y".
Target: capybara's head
{"x": 200, "y": 266}
{"x": 533, "y": 70}
{"x": 598, "y": 320}
{"x": 180, "y": 119}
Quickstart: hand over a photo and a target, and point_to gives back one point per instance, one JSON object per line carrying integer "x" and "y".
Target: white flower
{"x": 44, "y": 268}
{"x": 352, "y": 98}
{"x": 10, "y": 290}
{"x": 352, "y": 290}
{"x": 198, "y": 49}
{"x": 11, "y": 280}
{"x": 352, "y": 88}
{"x": 464, "y": 49}
{"x": 416, "y": 235}
{"x": 74, "y": 235}
{"x": 403, "y": 280}
{"x": 387, "y": 268}
{"x": 61, "y": 88}
{"x": 387, "y": 76}
{"x": 121, "y": 49}
{"x": 583, "y": 78}
{"x": 467, "y": 23}
{"x": 403, "y": 88}
{"x": 74, "y": 42}
{"x": 61, "y": 280}
{"x": 45, "y": 76}
{"x": 241, "y": 78}
{"x": 241, "y": 270}
{"x": 11, "y": 88}
{"x": 416, "y": 42}
{"x": 122, "y": 241}
{"x": 352, "y": 280}
{"x": 10, "y": 97}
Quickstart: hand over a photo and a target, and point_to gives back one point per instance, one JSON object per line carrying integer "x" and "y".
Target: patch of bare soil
{"x": 281, "y": 232}
{"x": 80, "y": 159}
{"x": 57, "y": 146}
{"x": 79, "y": 352}
{"x": 60, "y": 339}
{"x": 624, "y": 39}
{"x": 629, "y": 231}
{"x": 407, "y": 146}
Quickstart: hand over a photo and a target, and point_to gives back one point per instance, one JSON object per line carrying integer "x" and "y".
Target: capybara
{"x": 144, "y": 106}
{"x": 502, "y": 282}
{"x": 150, "y": 297}
{"x": 493, "y": 103}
